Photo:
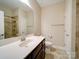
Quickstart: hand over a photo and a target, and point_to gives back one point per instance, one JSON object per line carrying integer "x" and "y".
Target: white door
{"x": 70, "y": 28}
{"x": 1, "y": 25}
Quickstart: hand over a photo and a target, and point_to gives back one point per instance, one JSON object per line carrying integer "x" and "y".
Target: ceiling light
{"x": 26, "y": 2}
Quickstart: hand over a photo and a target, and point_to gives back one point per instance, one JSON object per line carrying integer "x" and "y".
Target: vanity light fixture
{"x": 26, "y": 2}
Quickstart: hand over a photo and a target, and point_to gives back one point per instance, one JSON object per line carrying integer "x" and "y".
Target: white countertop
{"x": 14, "y": 51}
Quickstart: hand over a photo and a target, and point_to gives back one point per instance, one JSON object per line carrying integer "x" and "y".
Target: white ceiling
{"x": 13, "y": 4}
{"x": 44, "y": 3}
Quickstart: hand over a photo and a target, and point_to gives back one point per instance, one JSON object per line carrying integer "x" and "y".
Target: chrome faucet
{"x": 23, "y": 37}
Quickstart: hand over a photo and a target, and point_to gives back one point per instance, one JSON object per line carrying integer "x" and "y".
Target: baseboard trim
{"x": 58, "y": 47}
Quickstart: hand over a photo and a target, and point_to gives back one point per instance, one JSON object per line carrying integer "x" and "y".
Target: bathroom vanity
{"x": 38, "y": 52}
{"x": 32, "y": 48}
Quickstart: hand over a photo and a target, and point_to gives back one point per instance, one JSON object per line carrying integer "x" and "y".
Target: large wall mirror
{"x": 16, "y": 18}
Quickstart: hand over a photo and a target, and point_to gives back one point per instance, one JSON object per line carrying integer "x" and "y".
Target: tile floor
{"x": 56, "y": 54}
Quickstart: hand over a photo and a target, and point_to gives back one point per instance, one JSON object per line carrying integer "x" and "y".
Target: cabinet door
{"x": 28, "y": 57}
{"x": 41, "y": 55}
{"x": 36, "y": 51}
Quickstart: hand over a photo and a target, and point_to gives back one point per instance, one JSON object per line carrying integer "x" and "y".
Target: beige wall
{"x": 37, "y": 16}
{"x": 7, "y": 10}
{"x": 22, "y": 21}
{"x": 52, "y": 18}
{"x": 30, "y": 22}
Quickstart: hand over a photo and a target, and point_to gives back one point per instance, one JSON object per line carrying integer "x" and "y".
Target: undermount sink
{"x": 25, "y": 43}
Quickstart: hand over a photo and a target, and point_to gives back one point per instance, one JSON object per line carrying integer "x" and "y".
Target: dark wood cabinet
{"x": 40, "y": 55}
{"x": 38, "y": 52}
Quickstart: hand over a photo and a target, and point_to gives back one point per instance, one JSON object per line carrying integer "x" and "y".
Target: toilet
{"x": 48, "y": 49}
{"x": 48, "y": 46}
{"x": 55, "y": 52}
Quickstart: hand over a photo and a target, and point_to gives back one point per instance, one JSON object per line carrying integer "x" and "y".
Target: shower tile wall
{"x": 10, "y": 26}
{"x": 77, "y": 32}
